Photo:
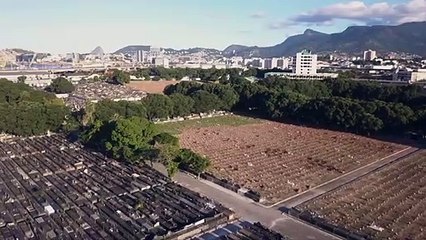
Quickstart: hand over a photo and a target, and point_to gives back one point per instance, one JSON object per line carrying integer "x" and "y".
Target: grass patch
{"x": 230, "y": 120}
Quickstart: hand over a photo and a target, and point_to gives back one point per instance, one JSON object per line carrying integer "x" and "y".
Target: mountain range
{"x": 404, "y": 38}
{"x": 133, "y": 49}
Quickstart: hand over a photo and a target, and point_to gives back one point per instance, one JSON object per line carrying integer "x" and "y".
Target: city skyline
{"x": 80, "y": 26}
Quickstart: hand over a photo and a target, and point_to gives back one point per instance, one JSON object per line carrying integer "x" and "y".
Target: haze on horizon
{"x": 79, "y": 26}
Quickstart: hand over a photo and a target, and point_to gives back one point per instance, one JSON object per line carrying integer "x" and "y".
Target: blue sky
{"x": 81, "y": 25}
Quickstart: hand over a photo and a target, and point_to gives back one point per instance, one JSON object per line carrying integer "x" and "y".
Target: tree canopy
{"x": 119, "y": 77}
{"x": 354, "y": 106}
{"x": 205, "y": 75}
{"x": 190, "y": 160}
{"x": 25, "y": 111}
{"x": 205, "y": 101}
{"x": 21, "y": 79}
{"x": 124, "y": 138}
{"x": 61, "y": 85}
{"x": 158, "y": 106}
{"x": 136, "y": 139}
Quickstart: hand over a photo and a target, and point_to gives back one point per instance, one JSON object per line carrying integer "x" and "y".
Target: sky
{"x": 60, "y": 26}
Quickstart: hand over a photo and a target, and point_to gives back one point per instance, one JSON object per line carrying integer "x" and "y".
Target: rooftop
{"x": 50, "y": 188}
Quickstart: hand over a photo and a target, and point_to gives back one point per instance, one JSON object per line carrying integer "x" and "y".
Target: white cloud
{"x": 259, "y": 14}
{"x": 377, "y": 13}
{"x": 280, "y": 25}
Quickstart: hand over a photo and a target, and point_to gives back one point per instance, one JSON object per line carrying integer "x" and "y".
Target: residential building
{"x": 258, "y": 63}
{"x": 72, "y": 57}
{"x": 294, "y": 76}
{"x": 283, "y": 63}
{"x": 409, "y": 75}
{"x": 305, "y": 63}
{"x": 370, "y": 55}
{"x": 140, "y": 56}
{"x": 267, "y": 64}
{"x": 161, "y": 62}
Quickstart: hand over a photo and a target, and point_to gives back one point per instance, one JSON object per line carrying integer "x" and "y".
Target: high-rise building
{"x": 155, "y": 52}
{"x": 72, "y": 57}
{"x": 257, "y": 63}
{"x": 370, "y": 55}
{"x": 305, "y": 63}
{"x": 267, "y": 64}
{"x": 161, "y": 62}
{"x": 140, "y": 56}
{"x": 274, "y": 62}
{"x": 281, "y": 63}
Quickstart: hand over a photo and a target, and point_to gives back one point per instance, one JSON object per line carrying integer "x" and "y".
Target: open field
{"x": 151, "y": 86}
{"x": 392, "y": 200}
{"x": 280, "y": 160}
{"x": 228, "y": 120}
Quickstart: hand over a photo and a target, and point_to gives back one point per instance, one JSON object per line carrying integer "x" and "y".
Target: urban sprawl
{"x": 156, "y": 143}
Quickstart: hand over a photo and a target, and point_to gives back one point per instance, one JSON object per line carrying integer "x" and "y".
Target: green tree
{"x": 185, "y": 88}
{"x": 61, "y": 85}
{"x": 105, "y": 110}
{"x": 166, "y": 138}
{"x": 146, "y": 76}
{"x": 205, "y": 102}
{"x": 182, "y": 105}
{"x": 172, "y": 168}
{"x": 200, "y": 165}
{"x": 252, "y": 72}
{"x": 285, "y": 104}
{"x": 158, "y": 106}
{"x": 129, "y": 138}
{"x": 123, "y": 139}
{"x": 188, "y": 159}
{"x": 26, "y": 112}
{"x": 119, "y": 77}
{"x": 21, "y": 79}
{"x": 224, "y": 92}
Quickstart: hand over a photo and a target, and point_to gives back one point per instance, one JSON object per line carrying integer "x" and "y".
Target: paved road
{"x": 251, "y": 211}
{"x": 342, "y": 180}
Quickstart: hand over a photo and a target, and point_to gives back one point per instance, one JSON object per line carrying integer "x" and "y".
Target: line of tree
{"x": 25, "y": 111}
{"x": 198, "y": 98}
{"x": 205, "y": 75}
{"x": 361, "y": 107}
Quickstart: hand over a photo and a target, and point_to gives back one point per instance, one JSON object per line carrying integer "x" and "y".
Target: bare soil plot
{"x": 392, "y": 201}
{"x": 151, "y": 86}
{"x": 280, "y": 160}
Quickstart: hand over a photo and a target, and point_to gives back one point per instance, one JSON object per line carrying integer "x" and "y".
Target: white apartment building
{"x": 281, "y": 63}
{"x": 258, "y": 63}
{"x": 305, "y": 63}
{"x": 162, "y": 62}
{"x": 267, "y": 64}
{"x": 409, "y": 75}
{"x": 370, "y": 55}
{"x": 140, "y": 56}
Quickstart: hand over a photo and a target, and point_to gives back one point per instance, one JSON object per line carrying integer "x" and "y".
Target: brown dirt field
{"x": 280, "y": 160}
{"x": 151, "y": 86}
{"x": 393, "y": 198}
